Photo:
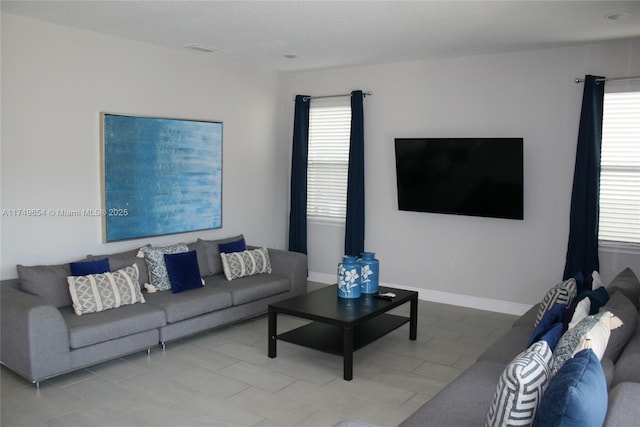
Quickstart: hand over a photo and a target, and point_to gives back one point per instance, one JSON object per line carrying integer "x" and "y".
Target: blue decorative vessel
{"x": 349, "y": 278}
{"x": 369, "y": 273}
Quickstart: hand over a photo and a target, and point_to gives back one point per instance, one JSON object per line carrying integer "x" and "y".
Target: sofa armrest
{"x": 34, "y": 337}
{"x": 292, "y": 265}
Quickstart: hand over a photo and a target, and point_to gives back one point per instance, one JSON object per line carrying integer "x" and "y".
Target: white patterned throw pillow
{"x": 591, "y": 332}
{"x": 521, "y": 387}
{"x": 562, "y": 293}
{"x": 98, "y": 292}
{"x": 245, "y": 263}
{"x": 582, "y": 311}
{"x": 154, "y": 256}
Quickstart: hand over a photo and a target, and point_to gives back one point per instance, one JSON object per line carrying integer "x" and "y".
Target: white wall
{"x": 55, "y": 83}
{"x": 528, "y": 94}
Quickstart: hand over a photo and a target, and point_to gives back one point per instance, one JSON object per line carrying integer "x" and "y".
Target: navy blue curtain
{"x": 298, "y": 210}
{"x": 354, "y": 227}
{"x": 582, "y": 250}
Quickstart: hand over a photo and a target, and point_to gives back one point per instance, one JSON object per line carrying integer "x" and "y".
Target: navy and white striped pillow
{"x": 520, "y": 388}
{"x": 562, "y": 293}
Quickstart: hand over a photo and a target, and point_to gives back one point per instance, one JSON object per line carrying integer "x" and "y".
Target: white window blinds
{"x": 620, "y": 169}
{"x": 329, "y": 132}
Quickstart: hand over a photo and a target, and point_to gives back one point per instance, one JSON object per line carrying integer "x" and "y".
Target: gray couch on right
{"x": 466, "y": 401}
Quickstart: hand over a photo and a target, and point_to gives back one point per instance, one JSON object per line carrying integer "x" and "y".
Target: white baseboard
{"x": 479, "y": 303}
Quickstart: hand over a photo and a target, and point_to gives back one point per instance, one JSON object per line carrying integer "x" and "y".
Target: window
{"x": 328, "y": 161}
{"x": 620, "y": 169}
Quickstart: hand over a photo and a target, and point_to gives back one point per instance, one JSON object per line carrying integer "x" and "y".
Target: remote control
{"x": 387, "y": 296}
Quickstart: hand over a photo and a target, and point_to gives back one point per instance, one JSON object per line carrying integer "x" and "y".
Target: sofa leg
{"x": 149, "y": 351}
{"x": 162, "y": 344}
{"x": 37, "y": 384}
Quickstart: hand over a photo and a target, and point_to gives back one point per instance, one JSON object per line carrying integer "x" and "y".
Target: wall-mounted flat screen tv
{"x": 461, "y": 176}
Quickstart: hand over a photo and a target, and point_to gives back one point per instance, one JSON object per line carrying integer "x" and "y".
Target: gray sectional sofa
{"x": 466, "y": 400}
{"x": 42, "y": 336}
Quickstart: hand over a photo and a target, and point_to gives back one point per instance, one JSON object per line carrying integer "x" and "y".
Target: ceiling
{"x": 327, "y": 34}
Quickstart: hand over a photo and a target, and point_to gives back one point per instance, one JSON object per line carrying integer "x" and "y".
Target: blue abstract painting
{"x": 161, "y": 176}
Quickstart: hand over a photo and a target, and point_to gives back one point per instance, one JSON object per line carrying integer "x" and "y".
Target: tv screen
{"x": 462, "y": 176}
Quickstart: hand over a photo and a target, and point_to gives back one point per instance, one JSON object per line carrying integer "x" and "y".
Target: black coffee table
{"x": 341, "y": 326}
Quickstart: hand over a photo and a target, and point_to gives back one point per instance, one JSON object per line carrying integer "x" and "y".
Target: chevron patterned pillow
{"x": 562, "y": 293}
{"x": 521, "y": 387}
{"x": 99, "y": 292}
{"x": 245, "y": 263}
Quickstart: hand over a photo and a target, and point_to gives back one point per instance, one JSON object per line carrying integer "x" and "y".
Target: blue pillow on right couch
{"x": 576, "y": 396}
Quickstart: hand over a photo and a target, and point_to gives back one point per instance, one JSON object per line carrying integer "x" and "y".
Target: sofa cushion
{"x": 627, "y": 283}
{"x": 624, "y": 309}
{"x": 82, "y": 268}
{"x": 509, "y": 345}
{"x": 213, "y": 253}
{"x": 185, "y": 305}
{"x": 251, "y": 288}
{"x": 47, "y": 281}
{"x": 99, "y": 292}
{"x": 463, "y": 402}
{"x": 183, "y": 271}
{"x": 201, "y": 255}
{"x": 154, "y": 256}
{"x": 124, "y": 259}
{"x": 520, "y": 387}
{"x": 245, "y": 263}
{"x": 623, "y": 405}
{"x": 576, "y": 396}
{"x": 592, "y": 332}
{"x": 562, "y": 293}
{"x": 111, "y": 324}
{"x": 528, "y": 318}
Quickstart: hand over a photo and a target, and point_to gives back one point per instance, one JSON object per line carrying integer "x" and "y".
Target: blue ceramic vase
{"x": 370, "y": 271}
{"x": 349, "y": 278}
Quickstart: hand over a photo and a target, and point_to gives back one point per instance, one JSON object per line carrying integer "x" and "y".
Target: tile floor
{"x": 224, "y": 378}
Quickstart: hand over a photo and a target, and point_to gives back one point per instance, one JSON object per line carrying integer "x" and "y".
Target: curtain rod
{"x": 365, "y": 94}
{"x": 612, "y": 79}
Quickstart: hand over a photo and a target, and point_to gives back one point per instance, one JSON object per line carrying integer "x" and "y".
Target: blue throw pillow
{"x": 237, "y": 246}
{"x": 579, "y": 281}
{"x": 183, "y": 271}
{"x": 550, "y": 318}
{"x": 85, "y": 268}
{"x": 552, "y": 335}
{"x": 577, "y": 394}
{"x": 598, "y": 298}
{"x": 568, "y": 313}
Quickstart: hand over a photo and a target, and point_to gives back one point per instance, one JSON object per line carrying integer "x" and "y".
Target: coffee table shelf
{"x": 329, "y": 338}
